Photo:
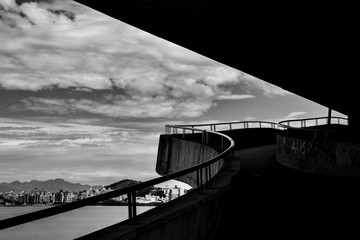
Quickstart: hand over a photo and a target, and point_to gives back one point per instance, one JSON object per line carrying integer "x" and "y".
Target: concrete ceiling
{"x": 308, "y": 49}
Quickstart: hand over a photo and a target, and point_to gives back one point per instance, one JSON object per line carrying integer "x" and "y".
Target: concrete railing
{"x": 319, "y": 145}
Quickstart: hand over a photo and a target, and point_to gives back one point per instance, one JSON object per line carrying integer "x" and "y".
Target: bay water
{"x": 64, "y": 226}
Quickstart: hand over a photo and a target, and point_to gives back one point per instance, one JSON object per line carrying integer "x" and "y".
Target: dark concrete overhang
{"x": 309, "y": 49}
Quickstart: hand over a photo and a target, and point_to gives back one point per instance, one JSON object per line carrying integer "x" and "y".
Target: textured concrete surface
{"x": 268, "y": 200}
{"x": 319, "y": 157}
{"x": 176, "y": 154}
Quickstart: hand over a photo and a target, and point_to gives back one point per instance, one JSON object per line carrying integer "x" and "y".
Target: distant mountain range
{"x": 122, "y": 184}
{"x": 127, "y": 183}
{"x": 53, "y": 185}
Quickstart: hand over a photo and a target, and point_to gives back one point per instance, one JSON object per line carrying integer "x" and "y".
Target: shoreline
{"x": 152, "y": 204}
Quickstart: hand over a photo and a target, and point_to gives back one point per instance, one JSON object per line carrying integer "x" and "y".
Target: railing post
{"x": 206, "y": 176}
{"x": 130, "y": 207}
{"x": 214, "y": 128}
{"x": 209, "y": 186}
{"x": 230, "y": 126}
{"x": 134, "y": 206}
{"x": 201, "y": 178}
{"x": 329, "y": 117}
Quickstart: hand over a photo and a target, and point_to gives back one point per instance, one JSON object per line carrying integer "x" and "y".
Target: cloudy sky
{"x": 84, "y": 97}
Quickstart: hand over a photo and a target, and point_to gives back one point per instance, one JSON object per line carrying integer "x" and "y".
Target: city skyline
{"x": 152, "y": 195}
{"x": 84, "y": 97}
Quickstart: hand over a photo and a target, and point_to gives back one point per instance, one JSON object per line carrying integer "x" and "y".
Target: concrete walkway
{"x": 258, "y": 161}
{"x": 269, "y": 200}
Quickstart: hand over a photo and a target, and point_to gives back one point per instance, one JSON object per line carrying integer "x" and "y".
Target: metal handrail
{"x": 130, "y": 191}
{"x": 320, "y": 134}
{"x": 172, "y": 129}
{"x": 304, "y": 122}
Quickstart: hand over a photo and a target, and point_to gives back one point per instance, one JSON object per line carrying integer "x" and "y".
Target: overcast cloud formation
{"x": 62, "y": 45}
{"x": 79, "y": 151}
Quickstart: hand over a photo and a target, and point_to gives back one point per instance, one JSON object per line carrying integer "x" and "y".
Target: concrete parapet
{"x": 320, "y": 157}
{"x": 176, "y": 154}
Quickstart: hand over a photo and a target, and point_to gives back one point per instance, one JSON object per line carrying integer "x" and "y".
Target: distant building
{"x": 59, "y": 197}
{"x": 172, "y": 193}
{"x": 71, "y": 197}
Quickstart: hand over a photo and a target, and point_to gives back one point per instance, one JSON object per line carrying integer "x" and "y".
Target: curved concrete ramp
{"x": 269, "y": 200}
{"x": 262, "y": 199}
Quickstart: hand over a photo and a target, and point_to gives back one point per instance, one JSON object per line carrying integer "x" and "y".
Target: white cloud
{"x": 144, "y": 107}
{"x": 249, "y": 118}
{"x": 235, "y": 97}
{"x": 267, "y": 89}
{"x": 66, "y": 148}
{"x": 91, "y": 52}
{"x": 18, "y": 142}
{"x": 25, "y": 133}
{"x": 8, "y": 4}
{"x": 95, "y": 165}
{"x": 294, "y": 114}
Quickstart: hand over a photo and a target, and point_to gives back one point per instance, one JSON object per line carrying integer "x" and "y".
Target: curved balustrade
{"x": 312, "y": 122}
{"x": 222, "y": 126}
{"x": 323, "y": 146}
{"x": 204, "y": 130}
{"x": 305, "y": 128}
{"x": 200, "y": 169}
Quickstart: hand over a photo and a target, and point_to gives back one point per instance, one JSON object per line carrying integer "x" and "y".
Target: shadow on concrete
{"x": 269, "y": 200}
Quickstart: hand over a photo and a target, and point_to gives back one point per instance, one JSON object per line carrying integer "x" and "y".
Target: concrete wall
{"x": 176, "y": 154}
{"x": 321, "y": 157}
{"x": 198, "y": 222}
